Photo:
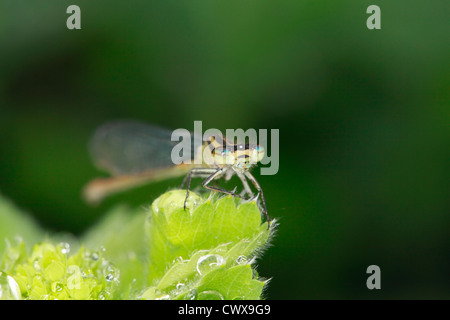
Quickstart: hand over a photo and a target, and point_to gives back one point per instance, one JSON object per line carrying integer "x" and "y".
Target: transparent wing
{"x": 132, "y": 147}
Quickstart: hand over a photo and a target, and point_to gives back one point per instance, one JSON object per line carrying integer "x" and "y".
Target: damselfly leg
{"x": 213, "y": 174}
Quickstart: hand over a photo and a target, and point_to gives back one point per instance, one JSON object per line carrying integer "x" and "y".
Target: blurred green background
{"x": 363, "y": 118}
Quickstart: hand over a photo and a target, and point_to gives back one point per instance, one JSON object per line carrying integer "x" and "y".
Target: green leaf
{"x": 206, "y": 251}
{"x": 234, "y": 283}
{"x": 121, "y": 235}
{"x": 15, "y": 223}
{"x": 49, "y": 272}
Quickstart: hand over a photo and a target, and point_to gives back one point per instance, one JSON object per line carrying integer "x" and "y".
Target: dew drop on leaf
{"x": 241, "y": 260}
{"x": 64, "y": 247}
{"x": 209, "y": 262}
{"x": 103, "y": 295}
{"x": 210, "y": 295}
{"x": 111, "y": 273}
{"x": 191, "y": 295}
{"x": 180, "y": 286}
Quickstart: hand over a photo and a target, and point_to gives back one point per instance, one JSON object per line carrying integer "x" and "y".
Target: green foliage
{"x": 50, "y": 273}
{"x": 122, "y": 234}
{"x": 204, "y": 252}
{"x": 14, "y": 222}
{"x": 209, "y": 248}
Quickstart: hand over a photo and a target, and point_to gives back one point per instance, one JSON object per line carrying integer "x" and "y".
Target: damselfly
{"x": 136, "y": 153}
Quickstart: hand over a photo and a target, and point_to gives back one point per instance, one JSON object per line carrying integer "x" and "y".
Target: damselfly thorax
{"x": 135, "y": 153}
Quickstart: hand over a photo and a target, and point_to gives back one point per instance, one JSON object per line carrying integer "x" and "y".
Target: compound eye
{"x": 260, "y": 152}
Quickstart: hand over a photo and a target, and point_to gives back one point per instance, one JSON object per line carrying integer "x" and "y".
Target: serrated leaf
{"x": 204, "y": 252}
{"x": 233, "y": 283}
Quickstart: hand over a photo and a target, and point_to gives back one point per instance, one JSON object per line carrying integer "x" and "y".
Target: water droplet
{"x": 163, "y": 297}
{"x": 111, "y": 273}
{"x": 64, "y": 247}
{"x": 37, "y": 265}
{"x": 178, "y": 259}
{"x": 209, "y": 262}
{"x": 91, "y": 255}
{"x": 191, "y": 295}
{"x": 9, "y": 289}
{"x": 103, "y": 295}
{"x": 241, "y": 260}
{"x": 180, "y": 286}
{"x": 210, "y": 295}
{"x": 57, "y": 287}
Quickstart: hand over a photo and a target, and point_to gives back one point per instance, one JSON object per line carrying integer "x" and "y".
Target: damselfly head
{"x": 242, "y": 156}
{"x": 248, "y": 155}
